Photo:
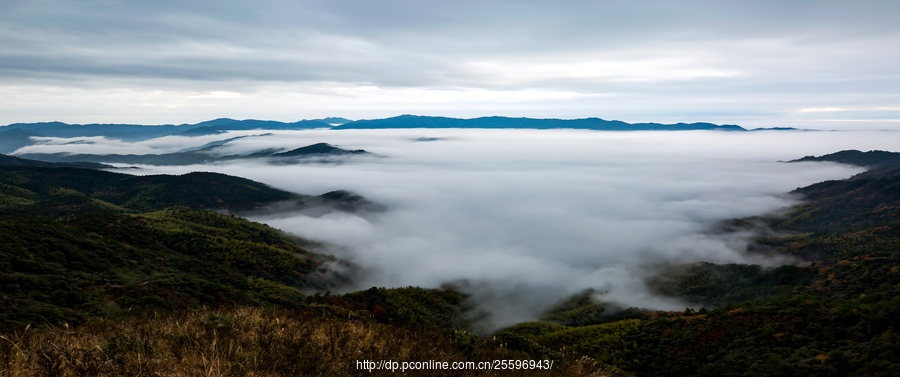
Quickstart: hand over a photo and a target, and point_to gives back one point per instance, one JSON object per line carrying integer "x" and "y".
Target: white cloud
{"x": 528, "y": 217}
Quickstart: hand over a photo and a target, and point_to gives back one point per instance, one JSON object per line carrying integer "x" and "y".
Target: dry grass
{"x": 242, "y": 342}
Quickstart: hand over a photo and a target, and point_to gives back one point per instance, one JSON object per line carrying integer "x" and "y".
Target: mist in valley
{"x": 524, "y": 218}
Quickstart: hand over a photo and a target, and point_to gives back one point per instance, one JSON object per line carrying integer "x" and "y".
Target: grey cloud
{"x": 757, "y": 61}
{"x": 136, "y": 37}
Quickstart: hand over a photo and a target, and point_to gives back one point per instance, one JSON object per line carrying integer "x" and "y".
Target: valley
{"x": 111, "y": 254}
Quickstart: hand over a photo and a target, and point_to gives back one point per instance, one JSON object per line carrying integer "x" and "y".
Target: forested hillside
{"x": 832, "y": 313}
{"x": 80, "y": 243}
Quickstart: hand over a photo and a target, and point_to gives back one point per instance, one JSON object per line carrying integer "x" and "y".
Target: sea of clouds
{"x": 527, "y": 217}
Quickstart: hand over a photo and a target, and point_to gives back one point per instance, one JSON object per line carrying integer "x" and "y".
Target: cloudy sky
{"x": 819, "y": 64}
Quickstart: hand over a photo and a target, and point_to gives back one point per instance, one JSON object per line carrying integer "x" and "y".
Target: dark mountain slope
{"x": 845, "y": 205}
{"x": 140, "y": 193}
{"x": 831, "y": 314}
{"x": 836, "y": 317}
{"x": 863, "y": 201}
{"x": 56, "y": 191}
{"x": 99, "y": 264}
{"x": 79, "y": 243}
{"x": 872, "y": 159}
{"x": 879, "y": 163}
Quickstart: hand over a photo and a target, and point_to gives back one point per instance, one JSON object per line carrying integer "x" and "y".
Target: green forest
{"x": 104, "y": 273}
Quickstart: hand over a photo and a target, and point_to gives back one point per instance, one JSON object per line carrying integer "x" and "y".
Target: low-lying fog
{"x": 527, "y": 217}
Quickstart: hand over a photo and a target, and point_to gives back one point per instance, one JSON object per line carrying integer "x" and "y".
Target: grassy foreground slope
{"x": 252, "y": 341}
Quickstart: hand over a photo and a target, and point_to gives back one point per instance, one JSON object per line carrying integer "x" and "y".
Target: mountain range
{"x": 497, "y": 122}
{"x": 17, "y": 135}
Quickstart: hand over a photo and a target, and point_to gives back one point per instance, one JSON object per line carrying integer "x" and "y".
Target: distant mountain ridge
{"x": 18, "y": 135}
{"x": 498, "y": 122}
{"x": 60, "y": 129}
{"x": 138, "y": 132}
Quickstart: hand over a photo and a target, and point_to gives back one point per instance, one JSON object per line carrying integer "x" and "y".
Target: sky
{"x": 527, "y": 217}
{"x": 759, "y": 63}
